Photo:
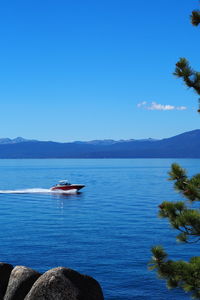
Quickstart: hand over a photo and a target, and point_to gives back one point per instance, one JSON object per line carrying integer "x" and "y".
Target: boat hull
{"x": 68, "y": 187}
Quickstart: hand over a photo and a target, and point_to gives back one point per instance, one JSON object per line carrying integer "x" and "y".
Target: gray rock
{"x": 65, "y": 284}
{"x": 5, "y": 270}
{"x": 20, "y": 283}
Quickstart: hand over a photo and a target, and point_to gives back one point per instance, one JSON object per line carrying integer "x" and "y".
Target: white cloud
{"x": 157, "y": 106}
{"x": 141, "y": 104}
{"x": 181, "y": 108}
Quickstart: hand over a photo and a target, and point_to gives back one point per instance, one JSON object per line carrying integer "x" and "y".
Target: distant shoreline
{"x": 185, "y": 145}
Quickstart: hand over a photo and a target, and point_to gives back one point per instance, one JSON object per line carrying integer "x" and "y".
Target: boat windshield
{"x": 63, "y": 182}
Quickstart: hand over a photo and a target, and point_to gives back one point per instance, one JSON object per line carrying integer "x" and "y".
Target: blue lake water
{"x": 106, "y": 231}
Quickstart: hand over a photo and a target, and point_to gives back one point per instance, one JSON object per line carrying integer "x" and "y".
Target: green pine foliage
{"x": 183, "y": 70}
{"x": 190, "y": 77}
{"x": 181, "y": 214}
{"x": 186, "y": 221}
{"x": 195, "y": 18}
{"x": 185, "y": 275}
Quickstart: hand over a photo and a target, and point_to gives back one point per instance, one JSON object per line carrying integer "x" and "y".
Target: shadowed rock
{"x": 1, "y": 293}
{"x": 20, "y": 283}
{"x": 5, "y": 270}
{"x": 65, "y": 284}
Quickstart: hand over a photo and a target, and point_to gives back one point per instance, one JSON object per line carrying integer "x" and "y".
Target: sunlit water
{"x": 106, "y": 231}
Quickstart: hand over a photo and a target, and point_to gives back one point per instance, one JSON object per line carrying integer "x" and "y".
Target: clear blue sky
{"x": 77, "y": 70}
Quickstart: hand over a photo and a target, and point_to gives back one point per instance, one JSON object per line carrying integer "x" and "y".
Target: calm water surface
{"x": 106, "y": 231}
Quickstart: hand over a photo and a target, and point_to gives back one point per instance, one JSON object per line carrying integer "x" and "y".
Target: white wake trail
{"x": 37, "y": 191}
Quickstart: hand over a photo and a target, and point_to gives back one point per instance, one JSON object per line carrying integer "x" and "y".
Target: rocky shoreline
{"x": 18, "y": 283}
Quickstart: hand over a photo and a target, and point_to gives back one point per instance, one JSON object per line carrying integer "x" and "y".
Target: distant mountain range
{"x": 185, "y": 145}
{"x": 14, "y": 141}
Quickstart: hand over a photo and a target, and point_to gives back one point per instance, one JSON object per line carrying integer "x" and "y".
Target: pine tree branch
{"x": 181, "y": 274}
{"x": 190, "y": 77}
{"x": 185, "y": 275}
{"x": 195, "y": 17}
